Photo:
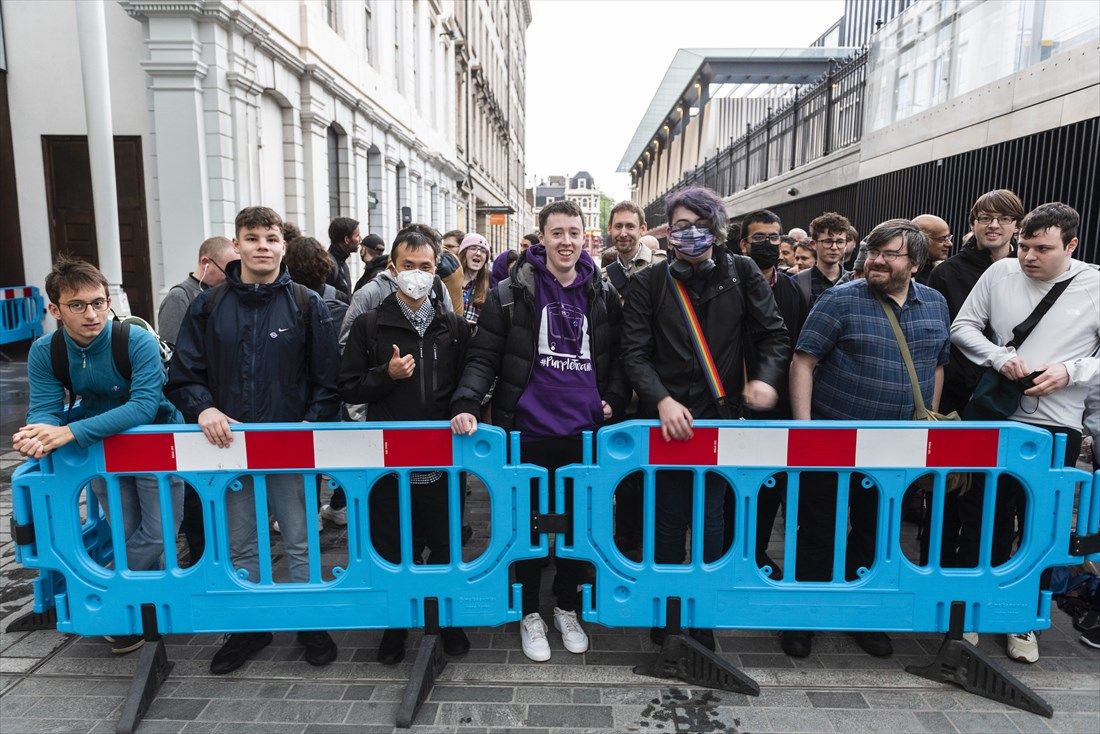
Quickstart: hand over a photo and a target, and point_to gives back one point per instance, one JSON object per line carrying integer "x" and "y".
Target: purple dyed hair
{"x": 705, "y": 203}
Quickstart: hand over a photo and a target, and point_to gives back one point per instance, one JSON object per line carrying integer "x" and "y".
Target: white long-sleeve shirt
{"x": 1069, "y": 333}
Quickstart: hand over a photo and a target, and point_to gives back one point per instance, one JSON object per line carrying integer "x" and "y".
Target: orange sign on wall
{"x": 498, "y": 220}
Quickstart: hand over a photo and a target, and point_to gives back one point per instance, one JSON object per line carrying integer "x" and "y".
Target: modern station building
{"x": 914, "y": 108}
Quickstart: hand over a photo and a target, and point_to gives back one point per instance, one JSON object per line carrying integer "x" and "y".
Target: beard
{"x": 895, "y": 282}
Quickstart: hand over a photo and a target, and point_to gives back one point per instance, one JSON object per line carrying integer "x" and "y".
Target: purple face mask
{"x": 692, "y": 241}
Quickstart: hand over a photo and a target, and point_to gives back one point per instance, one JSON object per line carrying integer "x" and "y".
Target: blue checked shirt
{"x": 861, "y": 375}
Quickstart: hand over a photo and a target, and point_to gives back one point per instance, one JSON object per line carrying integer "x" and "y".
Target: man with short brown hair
{"x": 830, "y": 237}
{"x": 626, "y": 226}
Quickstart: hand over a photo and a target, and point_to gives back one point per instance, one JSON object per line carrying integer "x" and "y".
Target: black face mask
{"x": 764, "y": 254}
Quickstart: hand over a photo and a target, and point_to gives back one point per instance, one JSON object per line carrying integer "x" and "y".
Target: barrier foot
{"x": 34, "y": 621}
{"x": 959, "y": 662}
{"x": 429, "y": 663}
{"x": 152, "y": 670}
{"x": 685, "y": 659}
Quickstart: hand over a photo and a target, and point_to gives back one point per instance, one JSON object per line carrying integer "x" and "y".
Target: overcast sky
{"x": 594, "y": 65}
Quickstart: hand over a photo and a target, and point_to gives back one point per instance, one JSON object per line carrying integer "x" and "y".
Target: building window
{"x": 415, "y": 55}
{"x": 368, "y": 29}
{"x": 334, "y": 192}
{"x": 398, "y": 61}
{"x": 328, "y": 10}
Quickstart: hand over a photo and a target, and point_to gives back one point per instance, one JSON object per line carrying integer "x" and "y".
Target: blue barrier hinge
{"x": 549, "y": 523}
{"x": 22, "y": 534}
{"x": 1083, "y": 545}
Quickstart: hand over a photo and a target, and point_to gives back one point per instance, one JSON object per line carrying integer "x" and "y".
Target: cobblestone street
{"x": 61, "y": 683}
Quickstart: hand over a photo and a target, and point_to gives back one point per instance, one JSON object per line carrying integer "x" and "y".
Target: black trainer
{"x": 237, "y": 649}
{"x": 319, "y": 645}
{"x": 874, "y": 643}
{"x": 796, "y": 643}
{"x": 391, "y": 650}
{"x": 455, "y": 641}
{"x": 125, "y": 643}
{"x": 657, "y": 636}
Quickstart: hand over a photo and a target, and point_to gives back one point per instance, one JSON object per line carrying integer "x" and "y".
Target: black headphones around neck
{"x": 682, "y": 270}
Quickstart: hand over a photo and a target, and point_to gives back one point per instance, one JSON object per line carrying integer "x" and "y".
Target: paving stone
{"x": 315, "y": 691}
{"x": 1029, "y": 723}
{"x": 352, "y": 729}
{"x": 886, "y": 722}
{"x": 1075, "y": 723}
{"x": 934, "y": 722}
{"x": 37, "y": 644}
{"x": 472, "y": 693}
{"x": 798, "y": 720}
{"x": 382, "y": 712}
{"x": 764, "y": 660}
{"x": 75, "y": 707}
{"x": 559, "y": 715}
{"x": 217, "y": 688}
{"x": 264, "y": 728}
{"x": 16, "y": 665}
{"x": 50, "y": 726}
{"x": 157, "y": 726}
{"x": 305, "y": 712}
{"x": 243, "y": 710}
{"x": 836, "y": 700}
{"x": 199, "y": 727}
{"x": 894, "y": 699}
{"x": 777, "y": 698}
{"x": 358, "y": 693}
{"x": 991, "y": 722}
{"x": 182, "y": 709}
{"x": 586, "y": 695}
{"x": 482, "y": 714}
{"x": 14, "y": 707}
{"x": 630, "y": 695}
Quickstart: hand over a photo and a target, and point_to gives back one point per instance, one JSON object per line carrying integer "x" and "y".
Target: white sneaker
{"x": 572, "y": 636}
{"x": 339, "y": 517}
{"x": 532, "y": 637}
{"x": 971, "y": 637}
{"x": 1024, "y": 647}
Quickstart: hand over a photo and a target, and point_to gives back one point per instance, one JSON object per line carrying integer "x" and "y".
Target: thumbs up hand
{"x": 400, "y": 368}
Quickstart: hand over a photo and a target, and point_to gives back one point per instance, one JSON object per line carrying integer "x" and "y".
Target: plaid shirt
{"x": 469, "y": 310}
{"x": 861, "y": 375}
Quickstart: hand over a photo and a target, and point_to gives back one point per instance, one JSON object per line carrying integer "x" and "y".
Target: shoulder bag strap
{"x": 699, "y": 341}
{"x": 918, "y": 399}
{"x": 1024, "y": 329}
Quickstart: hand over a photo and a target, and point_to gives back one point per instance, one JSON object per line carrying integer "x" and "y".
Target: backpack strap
{"x": 59, "y": 363}
{"x": 617, "y": 275}
{"x": 507, "y": 300}
{"x": 804, "y": 283}
{"x": 120, "y": 349}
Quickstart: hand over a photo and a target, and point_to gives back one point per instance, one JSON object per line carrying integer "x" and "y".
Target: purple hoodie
{"x": 561, "y": 398}
{"x": 500, "y": 269}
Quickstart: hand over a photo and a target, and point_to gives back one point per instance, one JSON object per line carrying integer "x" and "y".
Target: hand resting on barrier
{"x": 215, "y": 426}
{"x": 464, "y": 424}
{"x": 38, "y": 439}
{"x": 675, "y": 420}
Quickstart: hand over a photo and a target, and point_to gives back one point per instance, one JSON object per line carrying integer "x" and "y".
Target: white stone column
{"x": 315, "y": 159}
{"x": 388, "y": 204}
{"x": 91, "y": 28}
{"x": 182, "y": 187}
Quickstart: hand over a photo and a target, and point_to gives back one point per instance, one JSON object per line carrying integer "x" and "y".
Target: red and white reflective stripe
{"x": 836, "y": 447}
{"x": 9, "y": 293}
{"x": 260, "y": 450}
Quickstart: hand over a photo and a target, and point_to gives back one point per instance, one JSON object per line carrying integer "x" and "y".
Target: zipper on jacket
{"x": 423, "y": 370}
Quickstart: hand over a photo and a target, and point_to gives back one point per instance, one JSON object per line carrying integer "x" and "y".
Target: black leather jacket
{"x": 733, "y": 306}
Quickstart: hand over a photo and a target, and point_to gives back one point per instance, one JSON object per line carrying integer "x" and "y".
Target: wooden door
{"x": 72, "y": 216}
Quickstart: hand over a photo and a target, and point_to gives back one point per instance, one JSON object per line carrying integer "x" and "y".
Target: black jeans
{"x": 552, "y": 454}
{"x": 817, "y": 504}
{"x": 430, "y": 514}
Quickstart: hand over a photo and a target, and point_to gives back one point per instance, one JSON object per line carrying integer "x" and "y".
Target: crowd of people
{"x": 733, "y": 320}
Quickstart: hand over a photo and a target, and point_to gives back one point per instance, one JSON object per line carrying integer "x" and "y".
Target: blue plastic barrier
{"x": 21, "y": 312}
{"x": 894, "y": 594}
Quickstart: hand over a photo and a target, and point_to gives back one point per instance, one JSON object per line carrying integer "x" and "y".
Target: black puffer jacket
{"x": 659, "y": 355}
{"x": 955, "y": 277}
{"x": 256, "y": 357}
{"x": 440, "y": 355}
{"x": 505, "y": 347}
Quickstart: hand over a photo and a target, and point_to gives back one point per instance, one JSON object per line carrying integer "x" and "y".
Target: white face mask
{"x": 415, "y": 283}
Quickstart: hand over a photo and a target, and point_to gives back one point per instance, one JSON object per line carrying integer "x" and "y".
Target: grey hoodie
{"x": 371, "y": 295}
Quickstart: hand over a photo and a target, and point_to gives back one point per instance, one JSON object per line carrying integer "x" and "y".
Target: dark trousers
{"x": 429, "y": 519}
{"x": 1008, "y": 512}
{"x": 552, "y": 454}
{"x": 817, "y": 504}
{"x": 628, "y": 512}
{"x": 194, "y": 532}
{"x": 767, "y": 507}
{"x": 673, "y": 515}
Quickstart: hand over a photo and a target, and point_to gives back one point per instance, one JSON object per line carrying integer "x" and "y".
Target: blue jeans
{"x": 673, "y": 516}
{"x": 286, "y": 499}
{"x": 141, "y": 518}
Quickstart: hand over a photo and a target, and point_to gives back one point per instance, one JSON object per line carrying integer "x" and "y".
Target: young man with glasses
{"x": 1062, "y": 348}
{"x": 939, "y": 237}
{"x": 830, "y": 236}
{"x": 848, "y": 366}
{"x": 109, "y": 404}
